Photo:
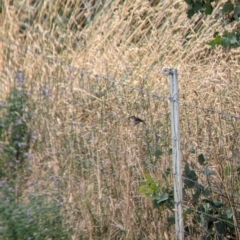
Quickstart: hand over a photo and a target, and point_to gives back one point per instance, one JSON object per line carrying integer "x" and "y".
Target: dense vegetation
{"x": 72, "y": 166}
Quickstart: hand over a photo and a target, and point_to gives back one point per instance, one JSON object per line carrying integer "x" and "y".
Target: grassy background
{"x": 86, "y": 70}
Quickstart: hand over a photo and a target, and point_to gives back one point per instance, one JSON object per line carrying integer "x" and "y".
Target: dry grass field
{"x": 86, "y": 69}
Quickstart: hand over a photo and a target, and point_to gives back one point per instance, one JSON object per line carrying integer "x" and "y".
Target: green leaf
{"x": 201, "y": 159}
{"x": 145, "y": 190}
{"x": 148, "y": 178}
{"x": 227, "y": 7}
{"x": 206, "y": 192}
{"x": 216, "y": 41}
{"x": 212, "y": 44}
{"x": 217, "y": 204}
{"x": 189, "y": 1}
{"x": 154, "y": 186}
{"x": 158, "y": 153}
{"x": 190, "y": 177}
{"x": 229, "y": 213}
{"x": 190, "y": 13}
{"x": 170, "y": 151}
{"x": 142, "y": 189}
{"x": 226, "y": 42}
{"x": 207, "y": 207}
{"x": 149, "y": 186}
{"x": 208, "y": 172}
{"x": 162, "y": 198}
{"x": 236, "y": 13}
{"x": 228, "y": 39}
{"x": 221, "y": 227}
{"x": 192, "y": 150}
{"x": 197, "y": 7}
{"x": 171, "y": 220}
{"x": 208, "y": 8}
{"x": 233, "y": 40}
{"x": 155, "y": 204}
{"x": 215, "y": 34}
{"x": 202, "y": 220}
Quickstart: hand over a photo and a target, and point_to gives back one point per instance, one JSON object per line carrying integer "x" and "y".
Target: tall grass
{"x": 86, "y": 76}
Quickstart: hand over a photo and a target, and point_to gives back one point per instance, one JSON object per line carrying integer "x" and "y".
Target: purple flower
{"x": 44, "y": 91}
{"x": 28, "y": 155}
{"x": 20, "y": 78}
{"x": 29, "y": 213}
{"x": 19, "y": 122}
{"x": 2, "y": 182}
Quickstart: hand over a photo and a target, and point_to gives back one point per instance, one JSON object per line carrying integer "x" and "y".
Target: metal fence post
{"x": 179, "y": 227}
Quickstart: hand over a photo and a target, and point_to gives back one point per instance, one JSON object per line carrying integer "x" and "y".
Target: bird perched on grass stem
{"x": 136, "y": 120}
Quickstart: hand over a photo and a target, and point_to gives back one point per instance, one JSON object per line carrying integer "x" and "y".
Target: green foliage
{"x": 201, "y": 159}
{"x": 208, "y": 172}
{"x": 229, "y": 12}
{"x": 158, "y": 153}
{"x": 149, "y": 187}
{"x": 227, "y": 7}
{"x": 36, "y": 218}
{"x": 14, "y": 132}
{"x": 190, "y": 177}
{"x": 228, "y": 39}
{"x": 208, "y": 213}
{"x": 160, "y": 196}
{"x": 199, "y": 7}
{"x": 216, "y": 218}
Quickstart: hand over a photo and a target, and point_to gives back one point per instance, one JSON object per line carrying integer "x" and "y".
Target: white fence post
{"x": 176, "y": 151}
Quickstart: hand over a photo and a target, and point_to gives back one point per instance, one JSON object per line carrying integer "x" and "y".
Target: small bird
{"x": 136, "y": 120}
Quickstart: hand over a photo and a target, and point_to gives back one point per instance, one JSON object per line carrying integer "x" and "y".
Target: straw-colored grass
{"x": 85, "y": 81}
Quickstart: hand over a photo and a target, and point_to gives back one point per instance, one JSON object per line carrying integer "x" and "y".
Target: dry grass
{"x": 82, "y": 136}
